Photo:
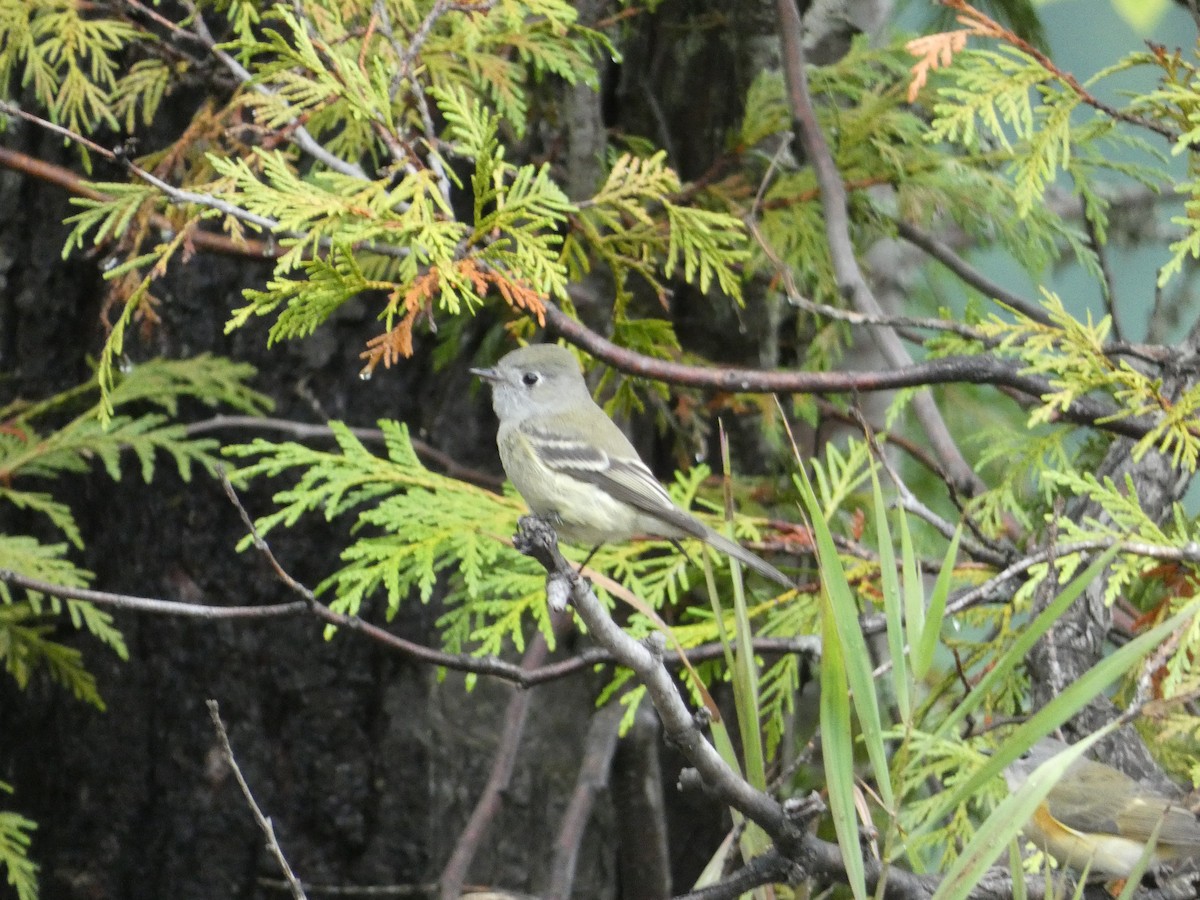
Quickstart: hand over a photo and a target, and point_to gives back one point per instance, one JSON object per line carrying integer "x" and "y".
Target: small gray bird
{"x": 575, "y": 467}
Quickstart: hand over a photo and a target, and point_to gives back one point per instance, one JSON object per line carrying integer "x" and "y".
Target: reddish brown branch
{"x": 946, "y": 370}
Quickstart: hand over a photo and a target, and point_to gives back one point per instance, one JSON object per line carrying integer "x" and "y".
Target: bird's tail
{"x": 745, "y": 557}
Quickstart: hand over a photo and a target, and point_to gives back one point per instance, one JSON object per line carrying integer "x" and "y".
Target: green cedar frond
{"x": 25, "y": 645}
{"x": 543, "y": 35}
{"x": 208, "y": 379}
{"x": 406, "y": 539}
{"x": 158, "y": 382}
{"x": 45, "y": 562}
{"x": 1016, "y": 458}
{"x": 1123, "y": 518}
{"x": 1174, "y": 431}
{"x": 989, "y": 98}
{"x": 15, "y": 837}
{"x": 145, "y": 85}
{"x": 840, "y": 474}
{"x": 108, "y": 218}
{"x": 620, "y": 225}
{"x": 58, "y": 513}
{"x": 767, "y": 113}
{"x": 471, "y": 128}
{"x": 1074, "y": 356}
{"x": 945, "y": 763}
{"x": 26, "y": 452}
{"x": 71, "y": 60}
{"x": 655, "y": 338}
{"x": 707, "y": 244}
{"x": 26, "y": 620}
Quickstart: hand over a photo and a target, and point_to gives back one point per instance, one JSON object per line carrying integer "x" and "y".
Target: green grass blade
{"x": 842, "y": 608}
{"x": 893, "y": 604}
{"x": 923, "y": 651}
{"x": 914, "y": 588}
{"x": 837, "y": 750}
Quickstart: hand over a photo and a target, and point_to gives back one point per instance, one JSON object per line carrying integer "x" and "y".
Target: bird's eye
{"x": 531, "y": 378}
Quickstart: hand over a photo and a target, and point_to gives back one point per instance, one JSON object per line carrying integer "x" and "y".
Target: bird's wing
{"x": 1095, "y": 801}
{"x": 625, "y": 478}
{"x": 1084, "y": 805}
{"x": 1179, "y": 828}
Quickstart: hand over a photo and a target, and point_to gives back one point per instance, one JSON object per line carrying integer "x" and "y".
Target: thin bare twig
{"x": 968, "y": 273}
{"x": 983, "y": 369}
{"x": 151, "y": 604}
{"x": 264, "y": 822}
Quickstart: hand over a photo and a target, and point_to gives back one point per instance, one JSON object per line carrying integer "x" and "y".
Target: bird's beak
{"x": 486, "y": 374}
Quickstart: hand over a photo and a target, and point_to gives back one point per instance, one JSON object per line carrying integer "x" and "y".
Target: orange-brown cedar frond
{"x": 936, "y": 51}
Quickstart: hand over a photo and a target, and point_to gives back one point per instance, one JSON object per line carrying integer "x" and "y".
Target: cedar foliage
{"x": 380, "y": 161}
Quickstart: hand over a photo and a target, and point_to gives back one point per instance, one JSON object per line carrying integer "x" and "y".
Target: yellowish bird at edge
{"x": 1098, "y": 818}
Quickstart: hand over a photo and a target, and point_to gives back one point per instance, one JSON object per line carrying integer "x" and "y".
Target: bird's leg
{"x": 587, "y": 559}
{"x": 678, "y": 546}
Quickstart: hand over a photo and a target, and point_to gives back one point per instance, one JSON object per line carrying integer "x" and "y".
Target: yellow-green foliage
{"x": 403, "y": 105}
{"x": 380, "y": 161}
{"x": 415, "y": 527}
{"x": 15, "y": 834}
{"x": 63, "y": 434}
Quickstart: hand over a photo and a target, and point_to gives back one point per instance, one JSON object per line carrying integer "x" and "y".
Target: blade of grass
{"x": 843, "y": 609}
{"x": 837, "y": 750}
{"x": 914, "y": 589}
{"x": 889, "y": 584}
{"x": 753, "y": 839}
{"x": 926, "y": 646}
{"x": 1134, "y": 879}
{"x": 1016, "y": 869}
{"x": 744, "y": 670}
